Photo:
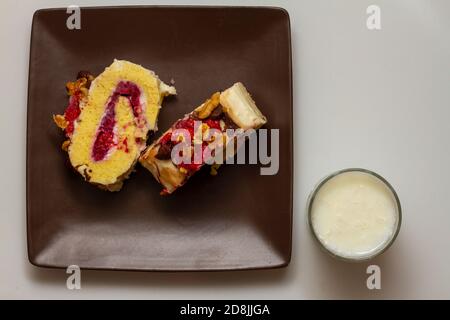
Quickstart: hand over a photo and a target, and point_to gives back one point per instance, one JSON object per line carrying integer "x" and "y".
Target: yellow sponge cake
{"x": 108, "y": 119}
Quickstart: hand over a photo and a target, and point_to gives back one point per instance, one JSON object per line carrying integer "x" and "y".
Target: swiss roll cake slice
{"x": 174, "y": 157}
{"x": 108, "y": 120}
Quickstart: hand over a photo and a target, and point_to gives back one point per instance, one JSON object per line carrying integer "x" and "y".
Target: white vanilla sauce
{"x": 354, "y": 214}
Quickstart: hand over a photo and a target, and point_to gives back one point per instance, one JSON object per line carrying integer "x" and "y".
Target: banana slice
{"x": 240, "y": 107}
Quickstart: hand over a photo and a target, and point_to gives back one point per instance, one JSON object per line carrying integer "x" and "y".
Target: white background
{"x": 373, "y": 99}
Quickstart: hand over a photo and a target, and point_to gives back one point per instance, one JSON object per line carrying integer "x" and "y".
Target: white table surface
{"x": 373, "y": 99}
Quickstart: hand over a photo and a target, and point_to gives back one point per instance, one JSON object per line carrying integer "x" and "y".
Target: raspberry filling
{"x": 188, "y": 124}
{"x": 72, "y": 112}
{"x": 105, "y": 139}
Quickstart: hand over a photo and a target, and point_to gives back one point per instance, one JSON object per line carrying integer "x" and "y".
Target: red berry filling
{"x": 188, "y": 124}
{"x": 105, "y": 134}
{"x": 72, "y": 112}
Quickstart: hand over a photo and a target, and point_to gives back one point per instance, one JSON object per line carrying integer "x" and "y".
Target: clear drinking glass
{"x": 379, "y": 250}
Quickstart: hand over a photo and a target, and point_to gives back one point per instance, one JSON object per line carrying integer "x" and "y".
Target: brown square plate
{"x": 236, "y": 220}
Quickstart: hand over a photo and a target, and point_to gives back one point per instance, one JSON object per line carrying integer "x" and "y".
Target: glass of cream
{"x": 354, "y": 214}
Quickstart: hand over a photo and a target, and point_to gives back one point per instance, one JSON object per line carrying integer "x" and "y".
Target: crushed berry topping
{"x": 166, "y": 138}
{"x": 215, "y": 124}
{"x": 166, "y": 144}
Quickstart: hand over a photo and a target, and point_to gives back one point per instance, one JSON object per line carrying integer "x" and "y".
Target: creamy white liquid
{"x": 354, "y": 215}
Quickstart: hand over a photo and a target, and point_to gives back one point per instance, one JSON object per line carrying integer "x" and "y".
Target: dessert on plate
{"x": 108, "y": 119}
{"x": 202, "y": 137}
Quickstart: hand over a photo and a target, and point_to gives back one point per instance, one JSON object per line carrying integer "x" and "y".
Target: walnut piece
{"x": 60, "y": 121}
{"x": 208, "y": 106}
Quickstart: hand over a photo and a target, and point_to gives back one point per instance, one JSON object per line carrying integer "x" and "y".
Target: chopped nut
{"x": 214, "y": 169}
{"x": 60, "y": 121}
{"x": 208, "y": 106}
{"x": 86, "y": 75}
{"x": 65, "y": 145}
{"x": 79, "y": 85}
{"x": 183, "y": 170}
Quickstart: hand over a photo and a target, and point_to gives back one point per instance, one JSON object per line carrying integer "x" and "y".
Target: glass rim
{"x": 386, "y": 245}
